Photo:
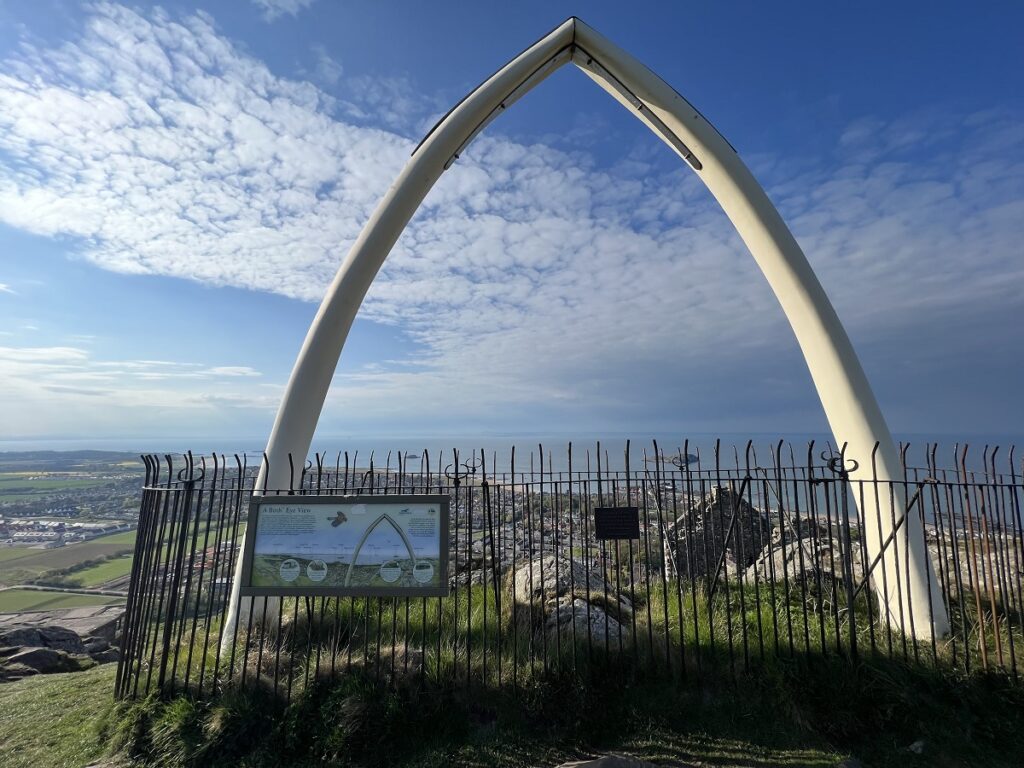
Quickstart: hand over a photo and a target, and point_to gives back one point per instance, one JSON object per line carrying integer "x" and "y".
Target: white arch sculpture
{"x": 911, "y": 593}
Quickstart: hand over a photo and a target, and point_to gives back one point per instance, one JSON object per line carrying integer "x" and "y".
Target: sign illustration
{"x": 348, "y": 545}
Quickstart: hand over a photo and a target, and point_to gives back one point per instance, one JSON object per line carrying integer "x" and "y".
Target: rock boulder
{"x": 558, "y": 592}
{"x": 589, "y": 623}
{"x": 62, "y": 639}
{"x": 31, "y": 650}
{"x": 47, "y": 660}
{"x": 50, "y": 636}
{"x": 696, "y": 541}
{"x": 810, "y": 563}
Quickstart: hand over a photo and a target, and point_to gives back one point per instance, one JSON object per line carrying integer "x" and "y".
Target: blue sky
{"x": 179, "y": 183}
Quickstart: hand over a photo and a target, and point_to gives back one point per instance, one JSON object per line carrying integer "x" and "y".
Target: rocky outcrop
{"x": 965, "y": 568}
{"x": 810, "y": 563}
{"x": 47, "y": 660}
{"x": 101, "y": 651}
{"x": 696, "y": 541}
{"x": 40, "y": 650}
{"x": 473, "y": 563}
{"x": 55, "y": 637}
{"x": 575, "y": 617}
{"x": 555, "y": 593}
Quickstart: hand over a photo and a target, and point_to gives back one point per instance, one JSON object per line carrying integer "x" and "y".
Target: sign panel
{"x": 347, "y": 545}
{"x": 612, "y": 523}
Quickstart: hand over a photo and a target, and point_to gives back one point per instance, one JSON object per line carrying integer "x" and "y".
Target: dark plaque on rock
{"x": 616, "y": 523}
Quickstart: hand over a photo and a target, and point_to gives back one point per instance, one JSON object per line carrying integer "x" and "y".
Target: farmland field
{"x": 14, "y": 600}
{"x": 9, "y": 554}
{"x": 19, "y": 564}
{"x": 104, "y": 572}
{"x": 16, "y": 486}
{"x": 20, "y": 483}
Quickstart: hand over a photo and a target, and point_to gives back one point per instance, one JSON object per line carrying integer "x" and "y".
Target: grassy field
{"x": 14, "y": 600}
{"x": 52, "y": 720}
{"x": 677, "y": 631}
{"x": 86, "y": 727}
{"x": 804, "y": 711}
{"x": 21, "y": 564}
{"x": 16, "y": 486}
{"x": 34, "y": 463}
{"x": 10, "y": 554}
{"x": 55, "y": 484}
{"x": 96, "y": 575}
{"x": 813, "y": 715}
{"x": 812, "y": 712}
{"x": 677, "y": 690}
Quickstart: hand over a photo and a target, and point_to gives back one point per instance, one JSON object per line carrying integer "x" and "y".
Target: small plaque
{"x": 616, "y": 523}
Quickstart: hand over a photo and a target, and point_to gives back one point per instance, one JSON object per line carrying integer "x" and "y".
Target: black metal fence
{"x": 740, "y": 558}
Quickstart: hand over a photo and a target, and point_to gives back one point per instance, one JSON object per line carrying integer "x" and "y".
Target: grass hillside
{"x": 13, "y": 600}
{"x": 101, "y": 573}
{"x": 52, "y": 720}
{"x": 22, "y": 564}
{"x": 813, "y": 714}
{"x": 809, "y": 709}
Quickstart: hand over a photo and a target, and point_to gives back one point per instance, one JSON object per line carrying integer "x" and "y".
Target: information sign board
{"x": 381, "y": 546}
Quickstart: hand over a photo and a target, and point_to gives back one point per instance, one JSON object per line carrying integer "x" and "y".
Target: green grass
{"x": 15, "y": 600}
{"x": 22, "y": 481}
{"x": 69, "y": 720}
{"x": 10, "y": 554}
{"x": 52, "y": 720}
{"x": 812, "y": 712}
{"x": 15, "y": 487}
{"x": 674, "y": 695}
{"x": 355, "y": 723}
{"x": 679, "y": 632}
{"x": 812, "y": 693}
{"x": 31, "y": 564}
{"x": 124, "y": 537}
{"x": 811, "y": 709}
{"x": 676, "y": 631}
{"x": 102, "y": 573}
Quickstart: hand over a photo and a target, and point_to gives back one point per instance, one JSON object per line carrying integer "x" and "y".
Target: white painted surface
{"x": 849, "y": 403}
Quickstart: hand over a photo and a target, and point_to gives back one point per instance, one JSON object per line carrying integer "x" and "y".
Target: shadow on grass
{"x": 811, "y": 711}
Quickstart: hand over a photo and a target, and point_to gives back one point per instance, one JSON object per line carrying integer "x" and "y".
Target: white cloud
{"x": 232, "y": 370}
{"x": 46, "y": 365}
{"x": 328, "y": 70}
{"x": 5, "y": 288}
{"x": 54, "y": 389}
{"x": 272, "y": 9}
{"x": 394, "y": 103}
{"x": 530, "y": 273}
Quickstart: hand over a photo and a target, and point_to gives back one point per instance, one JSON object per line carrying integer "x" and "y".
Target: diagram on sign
{"x": 348, "y": 545}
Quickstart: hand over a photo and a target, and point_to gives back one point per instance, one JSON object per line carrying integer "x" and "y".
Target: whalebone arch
{"x": 589, "y": 64}
{"x": 846, "y": 396}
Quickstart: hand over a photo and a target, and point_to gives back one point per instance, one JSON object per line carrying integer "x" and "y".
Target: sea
{"x": 497, "y": 450}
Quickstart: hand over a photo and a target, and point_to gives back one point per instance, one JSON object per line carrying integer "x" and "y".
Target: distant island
{"x": 679, "y": 459}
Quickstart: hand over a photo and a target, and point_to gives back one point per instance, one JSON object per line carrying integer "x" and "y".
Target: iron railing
{"x": 740, "y": 559}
